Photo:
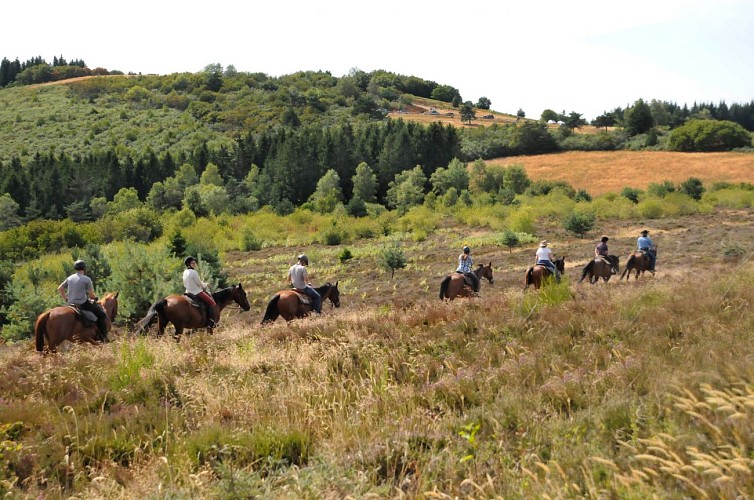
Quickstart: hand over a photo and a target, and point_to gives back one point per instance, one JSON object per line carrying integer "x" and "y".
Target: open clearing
{"x": 609, "y": 171}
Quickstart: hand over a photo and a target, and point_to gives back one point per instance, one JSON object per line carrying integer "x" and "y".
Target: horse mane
{"x": 222, "y": 295}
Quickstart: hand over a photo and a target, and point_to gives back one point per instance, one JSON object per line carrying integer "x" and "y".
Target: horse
{"x": 637, "y": 262}
{"x": 63, "y": 323}
{"x": 598, "y": 268}
{"x": 536, "y": 275}
{"x": 178, "y": 309}
{"x": 287, "y": 303}
{"x": 454, "y": 285}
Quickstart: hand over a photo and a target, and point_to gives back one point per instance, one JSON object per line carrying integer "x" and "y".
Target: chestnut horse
{"x": 454, "y": 285}
{"x": 286, "y": 303}
{"x": 536, "y": 275}
{"x": 63, "y": 323}
{"x": 637, "y": 262}
{"x": 598, "y": 268}
{"x": 177, "y": 309}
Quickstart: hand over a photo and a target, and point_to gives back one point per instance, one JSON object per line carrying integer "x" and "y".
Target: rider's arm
{"x": 61, "y": 290}
{"x": 90, "y": 293}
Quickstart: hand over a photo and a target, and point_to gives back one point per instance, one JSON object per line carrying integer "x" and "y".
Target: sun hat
{"x": 543, "y": 243}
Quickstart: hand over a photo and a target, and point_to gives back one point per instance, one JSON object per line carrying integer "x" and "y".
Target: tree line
{"x": 286, "y": 165}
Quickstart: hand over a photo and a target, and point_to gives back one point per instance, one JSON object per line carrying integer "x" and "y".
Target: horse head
{"x": 560, "y": 263}
{"x": 485, "y": 272}
{"x": 110, "y": 304}
{"x": 238, "y": 295}
{"x": 334, "y": 294}
{"x": 614, "y": 262}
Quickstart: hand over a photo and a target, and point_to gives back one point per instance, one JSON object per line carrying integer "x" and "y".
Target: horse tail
{"x": 152, "y": 314}
{"x": 587, "y": 269}
{"x": 444, "y": 287}
{"x": 40, "y": 330}
{"x": 272, "y": 313}
{"x": 528, "y": 278}
{"x": 629, "y": 266}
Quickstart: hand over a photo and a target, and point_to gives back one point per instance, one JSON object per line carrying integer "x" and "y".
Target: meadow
{"x": 625, "y": 389}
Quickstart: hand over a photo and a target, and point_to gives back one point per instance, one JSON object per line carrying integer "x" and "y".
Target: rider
{"x": 298, "y": 276}
{"x": 645, "y": 245}
{"x": 600, "y": 252}
{"x": 80, "y": 290}
{"x": 544, "y": 258}
{"x": 464, "y": 267}
{"x": 195, "y": 286}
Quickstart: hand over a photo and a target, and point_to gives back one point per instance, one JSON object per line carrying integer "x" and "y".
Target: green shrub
{"x": 651, "y": 208}
{"x": 579, "y": 223}
{"x": 632, "y": 194}
{"x": 392, "y": 258}
{"x": 709, "y": 135}
{"x": 345, "y": 255}
{"x": 249, "y": 242}
{"x": 510, "y": 239}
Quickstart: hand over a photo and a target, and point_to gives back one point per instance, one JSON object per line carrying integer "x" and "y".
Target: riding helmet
{"x": 303, "y": 259}
{"x": 605, "y": 238}
{"x": 645, "y": 232}
{"x": 189, "y": 260}
{"x": 79, "y": 264}
{"x": 466, "y": 250}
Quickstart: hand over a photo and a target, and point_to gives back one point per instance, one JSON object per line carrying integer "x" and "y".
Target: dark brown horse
{"x": 178, "y": 309}
{"x": 63, "y": 323}
{"x": 286, "y": 303}
{"x": 598, "y": 268}
{"x": 536, "y": 275}
{"x": 455, "y": 285}
{"x": 637, "y": 262}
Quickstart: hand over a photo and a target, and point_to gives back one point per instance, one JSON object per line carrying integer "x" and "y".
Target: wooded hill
{"x": 63, "y": 146}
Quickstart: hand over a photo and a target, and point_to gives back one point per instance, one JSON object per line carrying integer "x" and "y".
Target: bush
{"x": 661, "y": 190}
{"x": 345, "y": 255}
{"x": 692, "y": 187}
{"x": 709, "y": 135}
{"x": 510, "y": 239}
{"x": 249, "y": 242}
{"x": 651, "y": 208}
{"x": 631, "y": 193}
{"x": 579, "y": 223}
{"x": 392, "y": 258}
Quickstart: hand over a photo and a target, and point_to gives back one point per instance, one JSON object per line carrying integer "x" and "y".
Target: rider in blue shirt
{"x": 464, "y": 267}
{"x": 644, "y": 243}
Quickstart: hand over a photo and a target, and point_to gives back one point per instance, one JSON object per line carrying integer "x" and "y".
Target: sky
{"x": 587, "y": 56}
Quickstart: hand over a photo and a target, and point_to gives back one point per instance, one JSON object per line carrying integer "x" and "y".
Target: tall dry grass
{"x": 625, "y": 390}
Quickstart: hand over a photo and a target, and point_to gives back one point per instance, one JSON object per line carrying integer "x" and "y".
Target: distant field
{"x": 610, "y": 171}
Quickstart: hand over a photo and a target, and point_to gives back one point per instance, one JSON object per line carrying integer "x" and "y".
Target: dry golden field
{"x": 610, "y": 171}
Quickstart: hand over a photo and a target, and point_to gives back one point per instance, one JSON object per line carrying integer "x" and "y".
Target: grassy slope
{"x": 595, "y": 393}
{"x": 609, "y": 171}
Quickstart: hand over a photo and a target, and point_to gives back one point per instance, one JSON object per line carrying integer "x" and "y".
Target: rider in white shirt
{"x": 195, "y": 286}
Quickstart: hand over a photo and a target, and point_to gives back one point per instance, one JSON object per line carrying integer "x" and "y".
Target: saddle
{"x": 302, "y": 296}
{"x": 194, "y": 301}
{"x": 88, "y": 318}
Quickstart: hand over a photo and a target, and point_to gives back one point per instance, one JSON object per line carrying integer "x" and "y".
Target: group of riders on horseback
{"x": 78, "y": 291}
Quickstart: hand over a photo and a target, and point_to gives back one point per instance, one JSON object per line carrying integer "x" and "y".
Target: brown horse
{"x": 637, "y": 262}
{"x": 178, "y": 309}
{"x": 286, "y": 303}
{"x": 536, "y": 275}
{"x": 63, "y": 323}
{"x": 598, "y": 268}
{"x": 455, "y": 285}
